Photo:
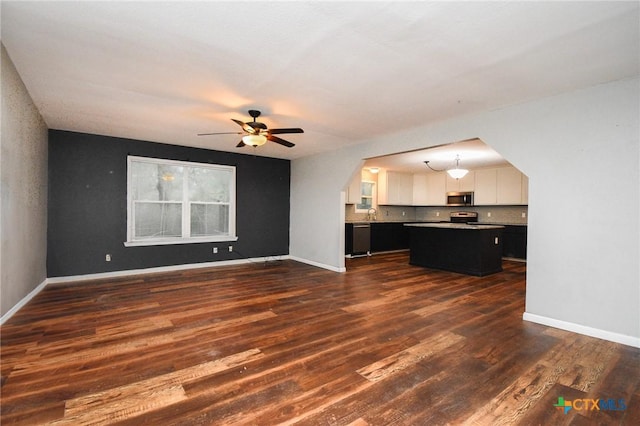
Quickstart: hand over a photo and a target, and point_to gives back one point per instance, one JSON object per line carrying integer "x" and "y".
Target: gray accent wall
{"x": 88, "y": 206}
{"x": 23, "y": 172}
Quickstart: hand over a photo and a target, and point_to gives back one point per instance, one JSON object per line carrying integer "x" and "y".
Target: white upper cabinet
{"x": 420, "y": 189}
{"x": 436, "y": 189}
{"x": 505, "y": 185}
{"x": 508, "y": 186}
{"x": 429, "y": 189}
{"x": 485, "y": 192}
{"x": 496, "y": 186}
{"x": 466, "y": 184}
{"x": 353, "y": 191}
{"x": 395, "y": 188}
{"x": 525, "y": 189}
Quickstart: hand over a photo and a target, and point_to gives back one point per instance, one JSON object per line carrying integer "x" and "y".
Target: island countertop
{"x": 453, "y": 226}
{"x": 389, "y": 221}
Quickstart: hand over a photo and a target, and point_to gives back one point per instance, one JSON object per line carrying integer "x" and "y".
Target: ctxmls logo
{"x": 590, "y": 404}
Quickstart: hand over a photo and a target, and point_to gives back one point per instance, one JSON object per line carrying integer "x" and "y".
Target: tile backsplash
{"x": 390, "y": 213}
{"x": 486, "y": 214}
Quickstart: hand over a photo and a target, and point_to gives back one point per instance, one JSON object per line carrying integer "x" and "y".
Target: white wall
{"x": 317, "y": 196}
{"x": 23, "y": 173}
{"x": 583, "y": 271}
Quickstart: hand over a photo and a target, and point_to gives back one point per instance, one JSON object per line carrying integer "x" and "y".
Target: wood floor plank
{"x": 383, "y": 368}
{"x": 282, "y": 342}
{"x": 134, "y": 345}
{"x": 133, "y": 405}
{"x": 139, "y": 397}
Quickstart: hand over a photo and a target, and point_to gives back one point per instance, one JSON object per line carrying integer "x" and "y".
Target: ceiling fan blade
{"x": 222, "y": 133}
{"x": 257, "y": 125}
{"x": 241, "y": 144}
{"x": 291, "y": 130}
{"x": 280, "y": 141}
{"x": 245, "y": 126}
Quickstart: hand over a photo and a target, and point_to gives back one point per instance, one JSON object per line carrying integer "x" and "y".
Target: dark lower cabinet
{"x": 389, "y": 236}
{"x": 514, "y": 241}
{"x": 466, "y": 251}
{"x": 385, "y": 236}
{"x": 348, "y": 238}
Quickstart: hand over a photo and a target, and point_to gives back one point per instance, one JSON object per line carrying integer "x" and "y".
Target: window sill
{"x": 180, "y": 241}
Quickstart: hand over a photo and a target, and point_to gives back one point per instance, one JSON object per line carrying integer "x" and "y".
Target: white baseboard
{"x": 23, "y": 302}
{"x": 169, "y": 268}
{"x": 114, "y": 274}
{"x": 319, "y": 265}
{"x": 581, "y": 329}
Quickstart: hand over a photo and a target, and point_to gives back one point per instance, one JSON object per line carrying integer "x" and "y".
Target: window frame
{"x": 185, "y": 203}
{"x": 373, "y": 196}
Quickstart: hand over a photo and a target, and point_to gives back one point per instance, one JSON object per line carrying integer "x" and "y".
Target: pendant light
{"x": 456, "y": 173}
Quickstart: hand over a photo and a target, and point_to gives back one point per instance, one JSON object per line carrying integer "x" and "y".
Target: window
{"x": 177, "y": 202}
{"x": 367, "y": 196}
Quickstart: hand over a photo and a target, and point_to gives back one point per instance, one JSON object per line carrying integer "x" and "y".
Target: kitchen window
{"x": 367, "y": 196}
{"x": 178, "y": 202}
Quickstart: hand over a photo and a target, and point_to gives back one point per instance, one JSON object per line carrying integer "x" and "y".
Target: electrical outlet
{"x": 107, "y": 258}
{"x": 404, "y": 213}
{"x": 230, "y": 249}
{"x": 496, "y": 241}
{"x": 215, "y": 250}
{"x": 437, "y": 214}
{"x": 488, "y": 214}
{"x": 524, "y": 215}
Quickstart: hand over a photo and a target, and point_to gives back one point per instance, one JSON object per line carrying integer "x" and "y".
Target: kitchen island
{"x": 457, "y": 247}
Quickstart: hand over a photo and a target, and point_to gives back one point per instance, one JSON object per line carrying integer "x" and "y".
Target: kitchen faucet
{"x": 371, "y": 214}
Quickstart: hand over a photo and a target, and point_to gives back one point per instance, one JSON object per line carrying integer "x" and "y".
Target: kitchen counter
{"x": 391, "y": 221}
{"x": 457, "y": 247}
{"x": 499, "y": 223}
{"x": 454, "y": 226}
{"x": 434, "y": 221}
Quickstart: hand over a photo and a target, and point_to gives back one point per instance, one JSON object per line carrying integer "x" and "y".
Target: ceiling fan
{"x": 256, "y": 133}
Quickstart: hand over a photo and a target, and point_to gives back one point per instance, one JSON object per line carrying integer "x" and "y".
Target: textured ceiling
{"x": 474, "y": 154}
{"x": 343, "y": 71}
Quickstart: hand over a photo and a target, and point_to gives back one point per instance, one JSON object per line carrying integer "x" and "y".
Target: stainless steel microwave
{"x": 459, "y": 198}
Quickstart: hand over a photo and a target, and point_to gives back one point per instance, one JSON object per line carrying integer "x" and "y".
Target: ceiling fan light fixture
{"x": 257, "y": 133}
{"x": 254, "y": 140}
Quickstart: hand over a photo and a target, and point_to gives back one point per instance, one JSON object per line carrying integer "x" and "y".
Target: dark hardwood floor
{"x": 283, "y": 342}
